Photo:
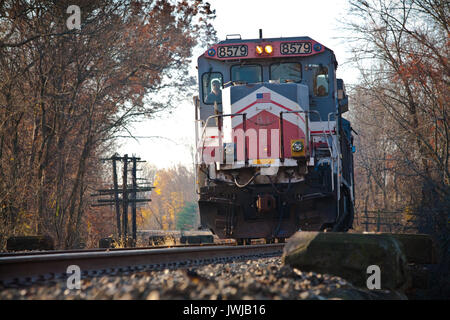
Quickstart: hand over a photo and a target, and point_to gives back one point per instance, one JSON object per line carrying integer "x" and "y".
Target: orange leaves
{"x": 157, "y": 184}
{"x": 173, "y": 189}
{"x": 418, "y": 70}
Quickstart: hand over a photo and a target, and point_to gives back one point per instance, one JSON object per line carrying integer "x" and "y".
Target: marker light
{"x": 268, "y": 49}
{"x": 259, "y": 49}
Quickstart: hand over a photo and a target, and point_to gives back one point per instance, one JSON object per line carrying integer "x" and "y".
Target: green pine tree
{"x": 186, "y": 217}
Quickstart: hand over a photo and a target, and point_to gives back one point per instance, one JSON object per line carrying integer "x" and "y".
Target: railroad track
{"x": 37, "y": 252}
{"x": 27, "y": 269}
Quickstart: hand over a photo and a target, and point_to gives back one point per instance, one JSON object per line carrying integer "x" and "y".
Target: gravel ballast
{"x": 260, "y": 279}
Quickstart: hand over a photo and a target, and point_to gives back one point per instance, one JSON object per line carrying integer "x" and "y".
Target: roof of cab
{"x": 235, "y": 40}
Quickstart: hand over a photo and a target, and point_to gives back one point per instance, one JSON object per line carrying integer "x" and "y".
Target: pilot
{"x": 321, "y": 91}
{"x": 216, "y": 94}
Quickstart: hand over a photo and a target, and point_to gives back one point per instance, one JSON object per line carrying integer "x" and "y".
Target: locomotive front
{"x": 273, "y": 151}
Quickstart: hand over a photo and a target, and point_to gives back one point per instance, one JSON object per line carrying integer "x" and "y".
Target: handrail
{"x": 337, "y": 154}
{"x": 244, "y": 115}
{"x": 244, "y": 126}
{"x": 338, "y": 191}
{"x": 307, "y": 142}
{"x": 307, "y": 126}
{"x": 282, "y": 129}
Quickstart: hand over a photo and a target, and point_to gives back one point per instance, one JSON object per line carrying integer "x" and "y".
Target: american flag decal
{"x": 263, "y": 97}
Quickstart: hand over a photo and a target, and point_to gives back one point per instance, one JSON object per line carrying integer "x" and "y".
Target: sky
{"x": 317, "y": 19}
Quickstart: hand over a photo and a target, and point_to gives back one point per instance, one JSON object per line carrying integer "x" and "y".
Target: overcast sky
{"x": 318, "y": 19}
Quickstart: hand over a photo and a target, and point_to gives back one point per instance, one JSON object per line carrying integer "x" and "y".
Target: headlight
{"x": 297, "y": 146}
{"x": 268, "y": 49}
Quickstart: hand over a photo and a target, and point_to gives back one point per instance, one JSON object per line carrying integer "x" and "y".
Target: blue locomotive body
{"x": 274, "y": 154}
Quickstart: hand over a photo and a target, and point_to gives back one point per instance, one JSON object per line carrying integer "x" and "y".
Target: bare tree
{"x": 401, "y": 110}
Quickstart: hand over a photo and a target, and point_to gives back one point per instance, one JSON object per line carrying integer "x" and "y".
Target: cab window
{"x": 286, "y": 72}
{"x": 321, "y": 82}
{"x": 246, "y": 73}
{"x": 212, "y": 87}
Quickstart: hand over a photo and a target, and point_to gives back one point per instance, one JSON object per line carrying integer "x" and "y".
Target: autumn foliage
{"x": 400, "y": 109}
{"x": 65, "y": 94}
{"x": 174, "y": 195}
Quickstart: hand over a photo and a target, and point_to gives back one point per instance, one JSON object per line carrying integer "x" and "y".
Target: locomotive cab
{"x": 273, "y": 151}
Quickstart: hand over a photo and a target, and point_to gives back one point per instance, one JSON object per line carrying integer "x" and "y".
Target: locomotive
{"x": 273, "y": 153}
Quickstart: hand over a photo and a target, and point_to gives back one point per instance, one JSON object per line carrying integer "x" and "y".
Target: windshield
{"x": 246, "y": 73}
{"x": 287, "y": 71}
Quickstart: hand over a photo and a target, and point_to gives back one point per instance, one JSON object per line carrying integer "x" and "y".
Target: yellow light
{"x": 268, "y": 49}
{"x": 259, "y": 49}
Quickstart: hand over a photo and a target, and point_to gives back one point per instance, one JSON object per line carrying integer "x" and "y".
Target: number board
{"x": 232, "y": 51}
{"x": 287, "y": 48}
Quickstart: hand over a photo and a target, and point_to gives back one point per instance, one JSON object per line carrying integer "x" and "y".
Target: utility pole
{"x": 129, "y": 196}
{"x": 133, "y": 196}
{"x": 116, "y": 196}
{"x": 125, "y": 197}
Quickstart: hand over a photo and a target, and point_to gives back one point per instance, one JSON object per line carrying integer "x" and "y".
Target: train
{"x": 274, "y": 154}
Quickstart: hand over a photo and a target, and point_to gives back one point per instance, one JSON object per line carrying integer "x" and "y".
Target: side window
{"x": 212, "y": 87}
{"x": 321, "y": 82}
{"x": 246, "y": 73}
{"x": 286, "y": 72}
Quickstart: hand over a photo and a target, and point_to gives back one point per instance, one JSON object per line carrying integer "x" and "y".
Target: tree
{"x": 174, "y": 193}
{"x": 402, "y": 52}
{"x": 401, "y": 112}
{"x": 187, "y": 217}
{"x": 65, "y": 94}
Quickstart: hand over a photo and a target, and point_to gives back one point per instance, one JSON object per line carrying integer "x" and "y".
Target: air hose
{"x": 248, "y": 182}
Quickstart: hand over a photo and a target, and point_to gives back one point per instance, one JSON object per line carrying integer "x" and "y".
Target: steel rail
{"x": 49, "y": 266}
{"x": 30, "y": 253}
